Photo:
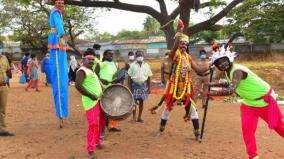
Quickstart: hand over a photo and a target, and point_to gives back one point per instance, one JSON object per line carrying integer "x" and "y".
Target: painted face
{"x": 223, "y": 64}
{"x": 60, "y": 5}
{"x": 89, "y": 60}
{"x": 183, "y": 45}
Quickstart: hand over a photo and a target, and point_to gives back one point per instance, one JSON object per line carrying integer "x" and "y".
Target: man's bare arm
{"x": 80, "y": 77}
{"x": 199, "y": 69}
{"x": 237, "y": 77}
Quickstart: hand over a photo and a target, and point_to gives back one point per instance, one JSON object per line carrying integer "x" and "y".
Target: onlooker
{"x": 4, "y": 67}
{"x": 33, "y": 72}
{"x": 24, "y": 63}
{"x": 139, "y": 82}
{"x": 97, "y": 48}
{"x": 202, "y": 79}
{"x": 45, "y": 68}
{"x": 9, "y": 72}
{"x": 73, "y": 67}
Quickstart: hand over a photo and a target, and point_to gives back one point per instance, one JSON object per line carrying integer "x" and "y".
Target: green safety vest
{"x": 251, "y": 88}
{"x": 107, "y": 70}
{"x": 92, "y": 84}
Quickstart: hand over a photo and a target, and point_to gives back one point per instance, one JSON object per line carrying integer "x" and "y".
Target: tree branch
{"x": 208, "y": 23}
{"x": 163, "y": 7}
{"x": 117, "y": 5}
{"x": 209, "y": 4}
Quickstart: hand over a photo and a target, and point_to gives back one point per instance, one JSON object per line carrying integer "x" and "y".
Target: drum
{"x": 117, "y": 102}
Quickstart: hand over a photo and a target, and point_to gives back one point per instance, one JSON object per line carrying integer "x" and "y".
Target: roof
{"x": 140, "y": 41}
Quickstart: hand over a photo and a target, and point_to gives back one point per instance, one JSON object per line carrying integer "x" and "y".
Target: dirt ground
{"x": 31, "y": 116}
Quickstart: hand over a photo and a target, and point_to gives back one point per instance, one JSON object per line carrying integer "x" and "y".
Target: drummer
{"x": 107, "y": 69}
{"x": 88, "y": 84}
{"x": 139, "y": 82}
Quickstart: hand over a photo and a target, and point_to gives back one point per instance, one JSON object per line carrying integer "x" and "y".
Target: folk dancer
{"x": 258, "y": 98}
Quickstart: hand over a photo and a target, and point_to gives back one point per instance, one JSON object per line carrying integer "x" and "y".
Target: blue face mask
{"x": 97, "y": 52}
{"x": 202, "y": 56}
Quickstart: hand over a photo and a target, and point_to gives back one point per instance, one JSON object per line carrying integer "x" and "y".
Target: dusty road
{"x": 31, "y": 116}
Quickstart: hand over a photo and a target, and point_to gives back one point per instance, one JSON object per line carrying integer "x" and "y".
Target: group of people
{"x": 95, "y": 75}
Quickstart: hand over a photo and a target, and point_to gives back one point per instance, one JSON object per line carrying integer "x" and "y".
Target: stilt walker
{"x": 57, "y": 44}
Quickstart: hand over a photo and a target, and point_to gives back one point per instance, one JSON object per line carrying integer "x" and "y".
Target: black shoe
{"x": 6, "y": 133}
{"x": 92, "y": 155}
{"x": 162, "y": 128}
{"x": 115, "y": 130}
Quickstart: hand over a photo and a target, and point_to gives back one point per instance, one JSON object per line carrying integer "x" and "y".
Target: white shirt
{"x": 139, "y": 74}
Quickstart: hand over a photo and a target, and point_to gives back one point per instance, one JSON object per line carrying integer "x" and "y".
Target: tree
{"x": 126, "y": 34}
{"x": 163, "y": 17}
{"x": 259, "y": 20}
{"x": 152, "y": 27}
{"x": 30, "y": 22}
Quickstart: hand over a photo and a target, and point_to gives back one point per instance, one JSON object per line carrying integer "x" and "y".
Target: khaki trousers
{"x": 3, "y": 104}
{"x": 201, "y": 84}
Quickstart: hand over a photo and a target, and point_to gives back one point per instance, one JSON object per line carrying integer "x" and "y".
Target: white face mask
{"x": 140, "y": 59}
{"x": 131, "y": 57}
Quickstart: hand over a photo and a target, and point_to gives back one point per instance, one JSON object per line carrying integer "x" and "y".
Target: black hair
{"x": 139, "y": 51}
{"x": 105, "y": 52}
{"x": 130, "y": 53}
{"x": 89, "y": 51}
{"x": 97, "y": 46}
{"x": 33, "y": 56}
{"x": 202, "y": 52}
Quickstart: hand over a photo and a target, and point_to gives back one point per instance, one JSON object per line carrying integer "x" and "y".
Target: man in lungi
{"x": 258, "y": 98}
{"x": 139, "y": 83}
{"x": 57, "y": 44}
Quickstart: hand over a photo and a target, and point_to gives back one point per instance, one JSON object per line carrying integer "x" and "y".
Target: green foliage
{"x": 260, "y": 20}
{"x": 207, "y": 36}
{"x": 152, "y": 27}
{"x": 126, "y": 34}
{"x": 29, "y": 20}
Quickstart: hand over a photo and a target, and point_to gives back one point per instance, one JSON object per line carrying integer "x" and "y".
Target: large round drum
{"x": 117, "y": 102}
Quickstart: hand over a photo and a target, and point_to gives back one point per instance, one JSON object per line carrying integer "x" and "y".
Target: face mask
{"x": 140, "y": 59}
{"x": 167, "y": 56}
{"x": 203, "y": 56}
{"x": 131, "y": 57}
{"x": 97, "y": 52}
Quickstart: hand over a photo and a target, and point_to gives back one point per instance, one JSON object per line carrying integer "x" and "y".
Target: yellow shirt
{"x": 4, "y": 67}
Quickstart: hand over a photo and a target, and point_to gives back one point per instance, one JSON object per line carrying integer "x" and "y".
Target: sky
{"x": 117, "y": 20}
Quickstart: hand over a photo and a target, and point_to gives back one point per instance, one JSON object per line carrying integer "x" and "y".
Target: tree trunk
{"x": 170, "y": 33}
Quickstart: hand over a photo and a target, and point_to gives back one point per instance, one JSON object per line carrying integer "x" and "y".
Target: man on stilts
{"x": 57, "y": 44}
{"x": 179, "y": 86}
